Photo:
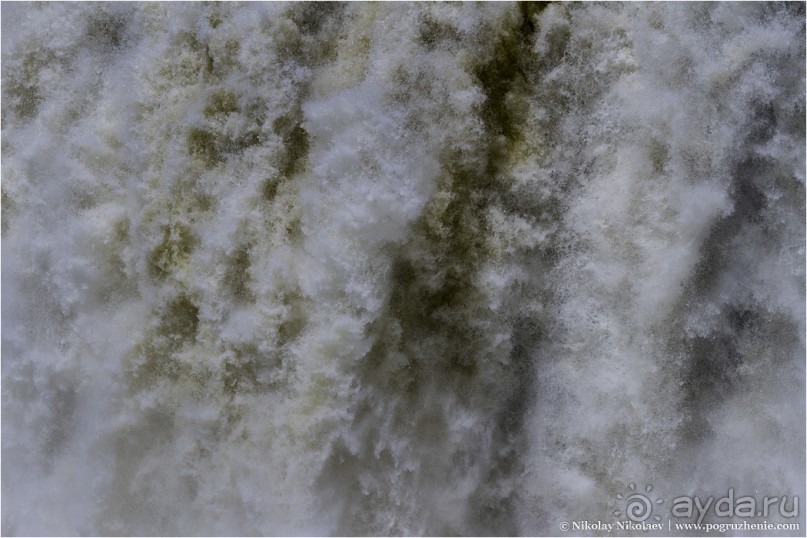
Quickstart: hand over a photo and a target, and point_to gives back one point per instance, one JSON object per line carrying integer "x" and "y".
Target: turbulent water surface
{"x": 398, "y": 268}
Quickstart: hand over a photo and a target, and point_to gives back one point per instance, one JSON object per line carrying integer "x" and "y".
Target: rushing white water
{"x": 398, "y": 268}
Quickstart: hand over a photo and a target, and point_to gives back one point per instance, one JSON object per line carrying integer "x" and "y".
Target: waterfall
{"x": 400, "y": 268}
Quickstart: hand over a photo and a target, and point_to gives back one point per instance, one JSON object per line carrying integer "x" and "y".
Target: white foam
{"x": 269, "y": 269}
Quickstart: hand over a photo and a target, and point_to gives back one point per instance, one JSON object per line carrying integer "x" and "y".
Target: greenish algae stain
{"x": 174, "y": 250}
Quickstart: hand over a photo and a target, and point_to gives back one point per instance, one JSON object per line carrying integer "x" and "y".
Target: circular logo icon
{"x": 637, "y": 506}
